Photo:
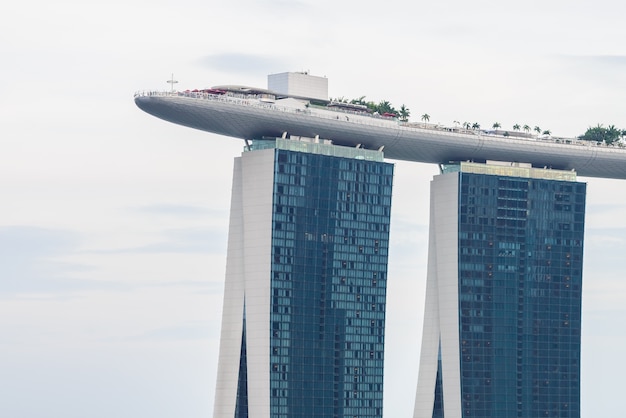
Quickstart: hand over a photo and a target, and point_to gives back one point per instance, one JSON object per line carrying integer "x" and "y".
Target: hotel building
{"x": 305, "y": 292}
{"x": 502, "y": 321}
{"x": 304, "y": 306}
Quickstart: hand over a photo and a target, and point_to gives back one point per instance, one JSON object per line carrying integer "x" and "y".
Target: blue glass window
{"x": 520, "y": 276}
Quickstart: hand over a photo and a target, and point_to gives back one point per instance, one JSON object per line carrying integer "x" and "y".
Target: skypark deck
{"x": 250, "y": 116}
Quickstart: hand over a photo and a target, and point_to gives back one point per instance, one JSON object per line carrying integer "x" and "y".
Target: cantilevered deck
{"x": 250, "y": 117}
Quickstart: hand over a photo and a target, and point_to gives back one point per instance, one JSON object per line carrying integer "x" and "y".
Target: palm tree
{"x": 547, "y": 132}
{"x": 467, "y": 125}
{"x": 612, "y": 134}
{"x": 496, "y": 125}
{"x": 516, "y": 127}
{"x": 596, "y": 134}
{"x": 385, "y": 107}
{"x": 425, "y": 117}
{"x": 476, "y": 125}
{"x": 526, "y": 128}
{"x": 538, "y": 130}
{"x": 404, "y": 113}
{"x": 360, "y": 101}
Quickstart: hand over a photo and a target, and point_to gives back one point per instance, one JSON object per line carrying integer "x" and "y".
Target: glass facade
{"x": 520, "y": 255}
{"x": 330, "y": 238}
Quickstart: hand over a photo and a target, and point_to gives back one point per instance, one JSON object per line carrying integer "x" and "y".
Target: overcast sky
{"x": 113, "y": 224}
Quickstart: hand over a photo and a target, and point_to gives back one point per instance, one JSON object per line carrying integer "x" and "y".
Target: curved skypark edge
{"x": 251, "y": 113}
{"x": 268, "y": 103}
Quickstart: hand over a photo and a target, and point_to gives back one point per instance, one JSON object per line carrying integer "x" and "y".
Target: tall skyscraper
{"x": 305, "y": 292}
{"x": 503, "y": 303}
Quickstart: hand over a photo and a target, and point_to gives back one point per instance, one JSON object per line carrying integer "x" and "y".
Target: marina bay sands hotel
{"x": 303, "y": 326}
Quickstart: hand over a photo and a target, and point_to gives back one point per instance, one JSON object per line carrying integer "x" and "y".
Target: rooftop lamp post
{"x": 172, "y": 82}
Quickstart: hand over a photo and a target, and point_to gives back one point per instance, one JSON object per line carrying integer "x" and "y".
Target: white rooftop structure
{"x": 299, "y": 85}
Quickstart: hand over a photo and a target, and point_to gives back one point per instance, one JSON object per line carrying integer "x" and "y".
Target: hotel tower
{"x": 502, "y": 321}
{"x": 304, "y": 304}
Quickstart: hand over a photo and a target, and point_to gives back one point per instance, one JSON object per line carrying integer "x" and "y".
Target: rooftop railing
{"x": 255, "y": 101}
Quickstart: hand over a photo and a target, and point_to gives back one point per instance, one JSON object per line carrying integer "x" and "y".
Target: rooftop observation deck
{"x": 252, "y": 116}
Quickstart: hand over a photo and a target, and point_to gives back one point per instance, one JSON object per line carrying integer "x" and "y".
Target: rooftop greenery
{"x": 608, "y": 135}
{"x": 599, "y": 133}
{"x": 381, "y": 107}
